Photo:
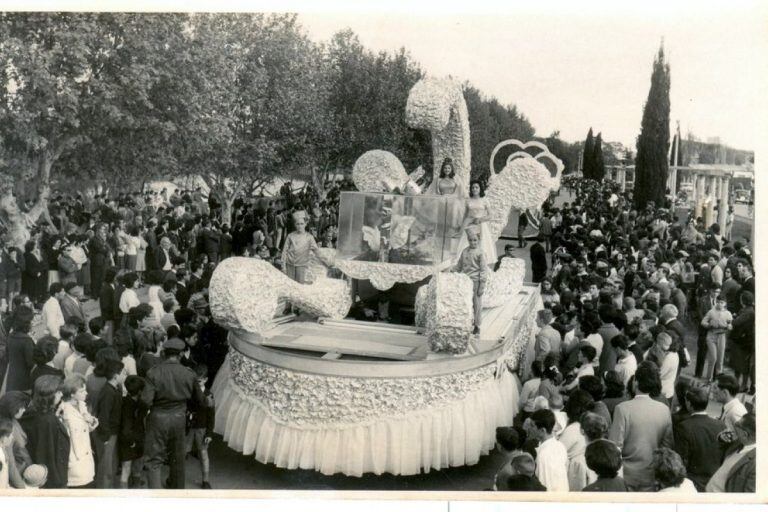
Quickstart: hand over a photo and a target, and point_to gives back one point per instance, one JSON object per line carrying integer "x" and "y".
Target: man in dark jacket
{"x": 211, "y": 239}
{"x": 538, "y": 261}
{"x": 169, "y": 387}
{"x": 696, "y": 439}
{"x": 99, "y": 256}
{"x": 107, "y": 304}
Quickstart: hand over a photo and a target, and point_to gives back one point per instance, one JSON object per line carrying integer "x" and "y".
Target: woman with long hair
{"x": 446, "y": 184}
{"x": 48, "y": 440}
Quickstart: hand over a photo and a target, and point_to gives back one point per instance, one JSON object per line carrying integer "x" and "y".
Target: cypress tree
{"x": 598, "y": 164}
{"x": 587, "y": 166}
{"x": 651, "y": 165}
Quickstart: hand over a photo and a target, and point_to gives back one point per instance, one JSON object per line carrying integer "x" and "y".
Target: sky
{"x": 570, "y": 70}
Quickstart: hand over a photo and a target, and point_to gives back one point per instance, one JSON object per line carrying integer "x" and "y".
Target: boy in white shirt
{"x": 551, "y": 455}
{"x": 626, "y": 366}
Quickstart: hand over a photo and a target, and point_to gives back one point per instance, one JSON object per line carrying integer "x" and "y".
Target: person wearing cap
{"x": 473, "y": 263}
{"x": 169, "y": 387}
{"x": 742, "y": 343}
{"x": 299, "y": 245}
{"x": 717, "y": 321}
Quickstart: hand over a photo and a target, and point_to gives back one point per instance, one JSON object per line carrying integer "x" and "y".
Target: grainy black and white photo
{"x": 489, "y": 252}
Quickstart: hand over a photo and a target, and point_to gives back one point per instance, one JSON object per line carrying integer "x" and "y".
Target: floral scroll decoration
{"x": 308, "y": 399}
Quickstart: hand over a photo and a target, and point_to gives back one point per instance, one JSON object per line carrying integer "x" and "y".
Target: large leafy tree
{"x": 76, "y": 100}
{"x": 367, "y": 98}
{"x": 258, "y": 102}
{"x": 651, "y": 165}
{"x": 490, "y": 123}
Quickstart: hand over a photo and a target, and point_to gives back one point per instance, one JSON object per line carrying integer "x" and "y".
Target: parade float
{"x": 320, "y": 391}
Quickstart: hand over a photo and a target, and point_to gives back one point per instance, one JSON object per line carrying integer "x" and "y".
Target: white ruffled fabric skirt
{"x": 456, "y": 434}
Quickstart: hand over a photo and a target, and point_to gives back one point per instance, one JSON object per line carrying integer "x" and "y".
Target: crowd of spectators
{"x": 107, "y": 394}
{"x": 629, "y": 296}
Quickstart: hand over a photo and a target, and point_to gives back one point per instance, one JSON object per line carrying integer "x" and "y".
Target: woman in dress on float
{"x": 478, "y": 213}
{"x": 447, "y": 185}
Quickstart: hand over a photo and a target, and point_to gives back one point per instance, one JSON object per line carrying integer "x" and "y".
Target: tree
{"x": 598, "y": 164}
{"x": 257, "y": 102}
{"x": 651, "y": 166}
{"x": 367, "y": 98}
{"x": 77, "y": 82}
{"x": 491, "y": 122}
{"x": 587, "y": 162}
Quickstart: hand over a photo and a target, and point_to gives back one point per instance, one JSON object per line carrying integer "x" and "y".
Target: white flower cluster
{"x": 383, "y": 276}
{"x": 523, "y": 183}
{"x": 378, "y": 171}
{"x": 308, "y": 400}
{"x": 447, "y": 308}
{"x": 438, "y": 105}
{"x": 504, "y": 283}
{"x": 244, "y": 294}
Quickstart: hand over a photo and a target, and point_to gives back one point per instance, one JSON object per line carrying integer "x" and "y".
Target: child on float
{"x": 473, "y": 263}
{"x": 298, "y": 246}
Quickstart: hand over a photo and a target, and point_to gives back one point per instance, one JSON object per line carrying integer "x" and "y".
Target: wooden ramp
{"x": 350, "y": 340}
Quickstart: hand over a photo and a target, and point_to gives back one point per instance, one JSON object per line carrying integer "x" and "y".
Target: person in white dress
{"x": 79, "y": 424}
{"x": 446, "y": 185}
{"x": 478, "y": 213}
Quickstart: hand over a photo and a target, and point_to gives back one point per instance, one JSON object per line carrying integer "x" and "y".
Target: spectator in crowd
{"x": 696, "y": 439}
{"x": 79, "y": 424}
{"x": 21, "y": 348}
{"x": 603, "y": 457}
{"x": 169, "y": 387}
{"x": 43, "y": 354}
{"x": 551, "y": 455}
{"x": 107, "y": 409}
{"x": 724, "y": 391}
{"x": 737, "y": 472}
{"x": 47, "y": 439}
{"x": 669, "y": 472}
{"x": 53, "y": 317}
{"x": 639, "y": 427}
{"x": 572, "y": 437}
{"x": 13, "y": 404}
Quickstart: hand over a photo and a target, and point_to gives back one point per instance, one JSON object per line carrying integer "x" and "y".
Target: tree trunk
{"x": 18, "y": 223}
{"x": 318, "y": 181}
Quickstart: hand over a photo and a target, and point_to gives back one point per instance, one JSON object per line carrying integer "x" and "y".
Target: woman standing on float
{"x": 478, "y": 213}
{"x": 447, "y": 185}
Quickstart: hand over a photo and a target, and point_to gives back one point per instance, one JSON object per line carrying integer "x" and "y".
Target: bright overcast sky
{"x": 567, "y": 65}
{"x": 568, "y": 71}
